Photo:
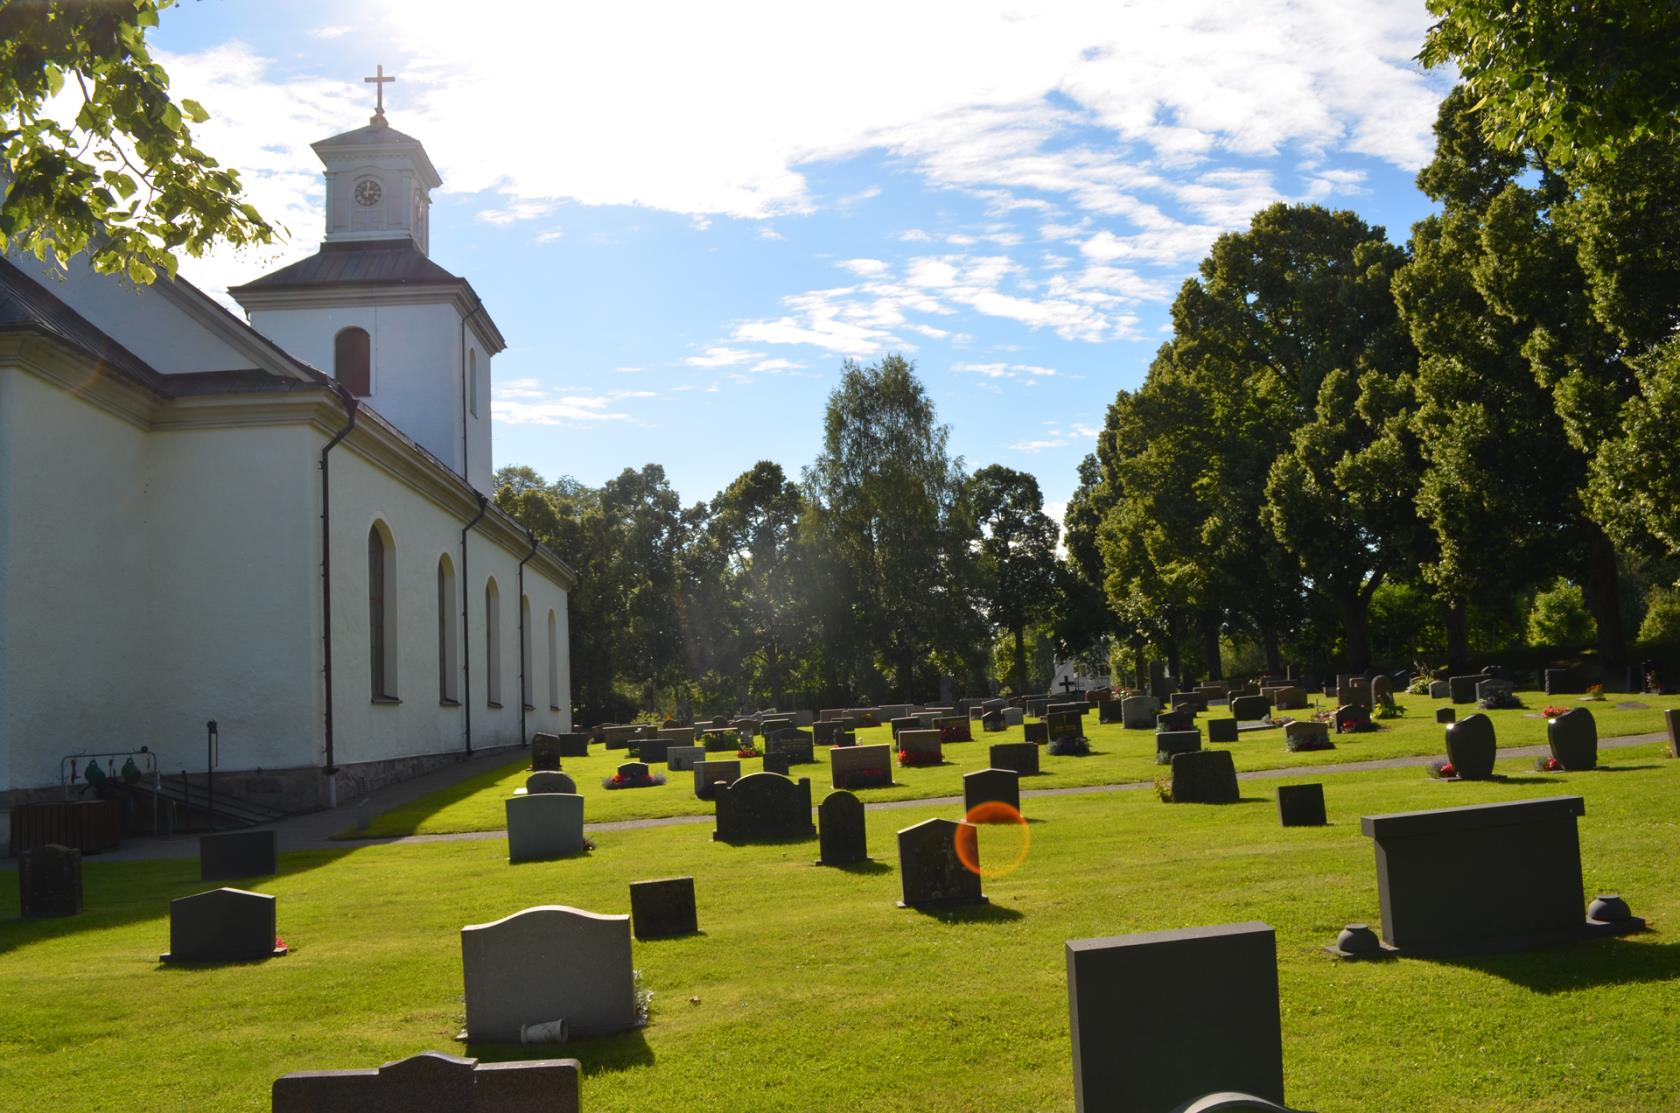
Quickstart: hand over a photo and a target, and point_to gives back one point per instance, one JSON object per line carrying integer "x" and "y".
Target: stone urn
{"x": 1471, "y": 747}
{"x": 1573, "y": 737}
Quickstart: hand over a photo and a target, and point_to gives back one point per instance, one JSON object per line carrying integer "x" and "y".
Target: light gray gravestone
{"x": 852, "y": 767}
{"x": 435, "y": 1083}
{"x": 545, "y": 964}
{"x": 920, "y": 742}
{"x": 544, "y": 826}
{"x": 930, "y": 866}
{"x": 1138, "y": 712}
{"x": 1439, "y": 689}
{"x": 222, "y": 925}
{"x": 1163, "y": 1018}
{"x": 682, "y": 758}
{"x": 708, "y": 773}
{"x": 1306, "y": 735}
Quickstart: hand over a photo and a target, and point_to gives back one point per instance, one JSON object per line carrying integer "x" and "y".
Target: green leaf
{"x": 195, "y": 111}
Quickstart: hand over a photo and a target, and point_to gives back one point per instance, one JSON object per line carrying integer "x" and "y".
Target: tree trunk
{"x": 1274, "y": 655}
{"x": 1142, "y": 668}
{"x": 1356, "y": 633}
{"x": 1020, "y": 660}
{"x": 1456, "y": 623}
{"x": 1604, "y": 602}
{"x": 1172, "y": 659}
{"x": 1210, "y": 632}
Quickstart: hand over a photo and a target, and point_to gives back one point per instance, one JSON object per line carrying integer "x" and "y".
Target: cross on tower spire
{"x": 379, "y": 81}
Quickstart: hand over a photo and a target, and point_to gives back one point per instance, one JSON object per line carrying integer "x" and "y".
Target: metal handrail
{"x": 67, "y": 775}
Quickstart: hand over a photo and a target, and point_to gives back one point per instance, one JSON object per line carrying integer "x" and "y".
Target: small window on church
{"x": 492, "y": 644}
{"x": 472, "y": 381}
{"x": 352, "y": 361}
{"x": 382, "y": 613}
{"x": 553, "y": 662}
{"x": 525, "y": 661}
{"x": 449, "y": 670}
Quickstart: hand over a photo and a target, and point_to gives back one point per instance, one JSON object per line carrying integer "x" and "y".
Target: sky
{"x": 685, "y": 217}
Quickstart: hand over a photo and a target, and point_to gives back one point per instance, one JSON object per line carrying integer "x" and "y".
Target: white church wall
{"x": 73, "y": 578}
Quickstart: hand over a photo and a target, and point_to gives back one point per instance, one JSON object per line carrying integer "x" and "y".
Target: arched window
{"x": 352, "y": 361}
{"x": 553, "y": 663}
{"x": 449, "y": 670}
{"x": 492, "y": 644}
{"x": 526, "y": 664}
{"x": 382, "y": 611}
{"x": 472, "y": 380}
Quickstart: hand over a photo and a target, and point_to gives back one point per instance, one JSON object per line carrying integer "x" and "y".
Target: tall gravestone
{"x": 930, "y": 864}
{"x": 545, "y": 752}
{"x": 1138, "y": 712}
{"x": 707, "y": 775}
{"x": 230, "y": 854}
{"x": 545, "y": 964}
{"x": 1573, "y": 739}
{"x": 840, "y": 830}
{"x": 543, "y": 826}
{"x": 1471, "y": 747}
{"x": 1672, "y": 720}
{"x": 49, "y": 881}
{"x": 992, "y": 786}
{"x": 1163, "y": 1018}
{"x": 764, "y": 807}
{"x": 435, "y": 1083}
{"x": 222, "y": 925}
{"x": 1204, "y": 777}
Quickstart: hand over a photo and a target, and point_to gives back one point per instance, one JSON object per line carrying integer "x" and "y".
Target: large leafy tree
{"x": 1017, "y": 554}
{"x": 98, "y": 157}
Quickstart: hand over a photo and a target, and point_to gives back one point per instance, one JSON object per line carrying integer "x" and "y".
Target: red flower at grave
{"x": 618, "y": 778}
{"x": 909, "y": 757}
{"x": 1447, "y": 770}
{"x": 280, "y": 943}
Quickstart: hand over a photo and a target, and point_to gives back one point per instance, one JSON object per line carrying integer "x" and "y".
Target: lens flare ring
{"x": 989, "y": 813}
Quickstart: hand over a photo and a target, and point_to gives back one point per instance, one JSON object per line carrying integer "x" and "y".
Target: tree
{"x": 122, "y": 180}
{"x": 1559, "y": 617}
{"x": 1017, "y": 554}
{"x": 1575, "y": 81}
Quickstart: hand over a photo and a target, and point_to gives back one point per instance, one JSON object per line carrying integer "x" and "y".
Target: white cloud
{"x": 530, "y": 402}
{"x": 334, "y": 32}
{"x": 864, "y": 268}
{"x": 1057, "y": 436}
{"x": 722, "y": 357}
{"x": 914, "y": 235}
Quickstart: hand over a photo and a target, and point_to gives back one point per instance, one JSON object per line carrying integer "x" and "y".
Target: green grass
{"x": 809, "y": 990}
{"x": 1118, "y": 756}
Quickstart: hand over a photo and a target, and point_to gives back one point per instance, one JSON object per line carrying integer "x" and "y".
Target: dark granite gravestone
{"x": 1037, "y": 733}
{"x": 538, "y": 783}
{"x": 778, "y": 763}
{"x": 1564, "y": 682}
{"x": 654, "y": 750}
{"x": 436, "y": 1083}
{"x": 237, "y": 854}
{"x": 49, "y": 881}
{"x": 796, "y": 744}
{"x": 1204, "y": 777}
{"x": 1672, "y": 720}
{"x": 1160, "y": 1019}
{"x": 1444, "y": 715}
{"x": 1301, "y": 805}
{"x": 1170, "y": 742}
{"x": 573, "y": 744}
{"x": 904, "y": 722}
{"x": 930, "y": 867}
{"x": 633, "y": 771}
{"x": 1248, "y": 708}
{"x": 1483, "y": 878}
{"x": 953, "y": 728}
{"x": 661, "y": 909}
{"x": 1194, "y": 699}
{"x": 769, "y": 726}
{"x": 545, "y": 752}
{"x": 1064, "y": 724}
{"x": 1471, "y": 747}
{"x": 1022, "y": 757}
{"x": 840, "y": 830}
{"x": 1352, "y": 717}
{"x": 1111, "y": 711}
{"x": 992, "y": 786}
{"x": 992, "y": 722}
{"x": 764, "y": 807}
{"x": 1573, "y": 738}
{"x": 1221, "y": 730}
{"x": 1462, "y": 689}
{"x": 833, "y": 732}
{"x": 1174, "y": 720}
{"x": 222, "y": 925}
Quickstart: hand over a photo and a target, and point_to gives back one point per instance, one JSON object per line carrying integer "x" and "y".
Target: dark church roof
{"x": 396, "y": 262}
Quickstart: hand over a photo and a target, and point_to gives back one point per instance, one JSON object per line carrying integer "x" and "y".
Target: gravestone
{"x": 545, "y": 751}
{"x": 1037, "y": 733}
{"x": 682, "y": 758}
{"x": 904, "y": 722}
{"x": 1347, "y": 694}
{"x": 1672, "y": 720}
{"x": 795, "y": 744}
{"x": 1162, "y": 1018}
{"x": 436, "y": 1083}
{"x": 992, "y": 722}
{"x": 1471, "y": 747}
{"x": 1484, "y": 878}
{"x": 1138, "y": 712}
{"x": 831, "y": 714}
{"x": 1440, "y": 689}
{"x": 1564, "y": 682}
{"x": 777, "y": 763}
{"x": 1493, "y": 689}
{"x": 545, "y": 964}
{"x": 632, "y": 771}
{"x": 1352, "y": 717}
{"x": 1111, "y": 711}
{"x": 1306, "y": 735}
{"x": 1170, "y": 742}
{"x": 708, "y": 773}
{"x": 833, "y": 732}
{"x": 546, "y": 781}
{"x": 953, "y": 728}
{"x": 231, "y": 854}
{"x": 724, "y": 741}
{"x": 1221, "y": 730}
{"x": 1301, "y": 805}
{"x": 1019, "y": 756}
{"x": 1446, "y": 715}
{"x": 853, "y": 767}
{"x": 664, "y": 908}
{"x": 222, "y": 925}
{"x": 920, "y": 742}
{"x": 1290, "y": 698}
{"x": 1064, "y": 724}
{"x": 991, "y": 786}
{"x": 1174, "y": 720}
{"x": 930, "y": 866}
{"x": 1462, "y": 689}
{"x": 1249, "y": 708}
{"x": 618, "y": 737}
{"x": 1382, "y": 690}
{"x": 764, "y": 807}
{"x": 840, "y": 830}
{"x": 771, "y": 725}
{"x": 573, "y": 744}
{"x": 1573, "y": 739}
{"x": 49, "y": 881}
{"x": 1204, "y": 777}
{"x": 1186, "y": 708}
{"x": 655, "y": 750}
{"x": 543, "y": 826}
{"x": 1013, "y": 716}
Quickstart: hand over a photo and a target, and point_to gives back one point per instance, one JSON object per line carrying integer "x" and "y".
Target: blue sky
{"x": 684, "y": 217}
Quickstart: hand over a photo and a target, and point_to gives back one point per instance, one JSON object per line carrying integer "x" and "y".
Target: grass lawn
{"x": 809, "y": 990}
{"x": 1117, "y": 756}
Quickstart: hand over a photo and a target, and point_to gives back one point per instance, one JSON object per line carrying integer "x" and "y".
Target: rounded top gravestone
{"x": 1471, "y": 747}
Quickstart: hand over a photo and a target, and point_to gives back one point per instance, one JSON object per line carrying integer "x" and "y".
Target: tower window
{"x": 382, "y": 613}
{"x": 472, "y": 381}
{"x": 352, "y": 362}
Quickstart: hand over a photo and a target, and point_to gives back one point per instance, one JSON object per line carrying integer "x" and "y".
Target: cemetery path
{"x": 314, "y": 830}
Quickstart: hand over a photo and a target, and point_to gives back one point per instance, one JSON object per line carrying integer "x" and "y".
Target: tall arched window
{"x": 353, "y": 361}
{"x": 492, "y": 644}
{"x": 382, "y": 611}
{"x": 526, "y": 664}
{"x": 449, "y": 669}
{"x": 553, "y": 663}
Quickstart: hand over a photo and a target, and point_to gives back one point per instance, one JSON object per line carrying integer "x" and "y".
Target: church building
{"x": 282, "y": 526}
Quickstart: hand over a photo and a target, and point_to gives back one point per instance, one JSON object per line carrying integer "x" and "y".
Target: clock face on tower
{"x": 368, "y": 193}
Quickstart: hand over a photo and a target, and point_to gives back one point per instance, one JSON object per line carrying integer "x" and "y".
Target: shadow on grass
{"x": 870, "y": 867}
{"x": 416, "y": 812}
{"x": 970, "y": 913}
{"x": 1620, "y": 768}
{"x": 598, "y": 1054}
{"x": 789, "y": 840}
{"x": 1585, "y": 965}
